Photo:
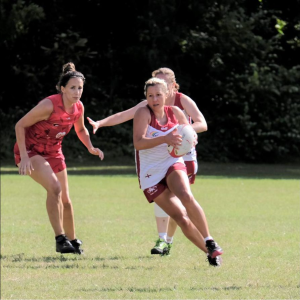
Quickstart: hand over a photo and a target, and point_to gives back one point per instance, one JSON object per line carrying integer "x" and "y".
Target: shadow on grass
{"x": 66, "y": 261}
{"x": 229, "y": 170}
{"x": 128, "y": 289}
{"x": 21, "y": 257}
{"x": 154, "y": 290}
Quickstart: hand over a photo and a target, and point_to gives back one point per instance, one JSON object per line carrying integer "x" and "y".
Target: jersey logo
{"x": 164, "y": 128}
{"x": 60, "y": 135}
{"x": 151, "y": 190}
{"x": 154, "y": 133}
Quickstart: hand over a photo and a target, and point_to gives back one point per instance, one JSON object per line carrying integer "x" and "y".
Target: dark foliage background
{"x": 238, "y": 59}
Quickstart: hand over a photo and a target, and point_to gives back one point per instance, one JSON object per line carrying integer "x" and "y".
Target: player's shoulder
{"x": 175, "y": 108}
{"x": 178, "y": 113}
{"x": 144, "y": 108}
{"x": 143, "y": 103}
{"x": 80, "y": 104}
{"x": 46, "y": 104}
{"x": 143, "y": 111}
{"x": 185, "y": 97}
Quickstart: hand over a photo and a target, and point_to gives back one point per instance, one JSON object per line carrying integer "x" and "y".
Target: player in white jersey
{"x": 170, "y": 188}
{"x": 166, "y": 227}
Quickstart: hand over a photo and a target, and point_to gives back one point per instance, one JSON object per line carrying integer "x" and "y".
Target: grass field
{"x": 253, "y": 212}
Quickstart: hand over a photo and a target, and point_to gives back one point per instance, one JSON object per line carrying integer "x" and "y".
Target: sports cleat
{"x": 63, "y": 245}
{"x": 170, "y": 245}
{"x": 216, "y": 262}
{"x": 161, "y": 247}
{"x": 213, "y": 248}
{"x": 76, "y": 244}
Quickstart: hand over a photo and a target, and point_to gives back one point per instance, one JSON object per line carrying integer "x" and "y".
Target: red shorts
{"x": 154, "y": 191}
{"x": 57, "y": 164}
{"x": 191, "y": 170}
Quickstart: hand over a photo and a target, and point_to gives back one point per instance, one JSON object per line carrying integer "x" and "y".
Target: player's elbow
{"x": 203, "y": 126}
{"x": 18, "y": 126}
{"x": 137, "y": 146}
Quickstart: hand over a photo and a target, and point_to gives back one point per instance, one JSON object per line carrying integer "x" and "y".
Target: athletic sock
{"x": 169, "y": 239}
{"x": 208, "y": 238}
{"x": 162, "y": 235}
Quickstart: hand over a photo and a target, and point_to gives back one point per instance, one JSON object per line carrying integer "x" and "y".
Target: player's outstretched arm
{"x": 118, "y": 118}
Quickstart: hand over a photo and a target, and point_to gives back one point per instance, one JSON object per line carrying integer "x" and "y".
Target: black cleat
{"x": 216, "y": 262}
{"x": 63, "y": 245}
{"x": 213, "y": 248}
{"x": 76, "y": 244}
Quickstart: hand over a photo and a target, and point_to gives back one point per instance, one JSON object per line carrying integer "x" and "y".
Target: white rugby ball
{"x": 188, "y": 141}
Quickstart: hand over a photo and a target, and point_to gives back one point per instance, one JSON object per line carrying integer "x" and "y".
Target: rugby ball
{"x": 188, "y": 141}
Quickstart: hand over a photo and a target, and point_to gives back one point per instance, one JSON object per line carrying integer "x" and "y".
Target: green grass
{"x": 254, "y": 217}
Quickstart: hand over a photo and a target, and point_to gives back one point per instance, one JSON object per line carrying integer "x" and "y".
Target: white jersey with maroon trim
{"x": 152, "y": 164}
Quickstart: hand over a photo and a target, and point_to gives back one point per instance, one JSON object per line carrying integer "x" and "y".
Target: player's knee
{"x": 55, "y": 189}
{"x": 186, "y": 198}
{"x": 183, "y": 221}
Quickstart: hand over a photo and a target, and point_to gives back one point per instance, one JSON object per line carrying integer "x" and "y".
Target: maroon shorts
{"x": 57, "y": 164}
{"x": 154, "y": 191}
{"x": 191, "y": 170}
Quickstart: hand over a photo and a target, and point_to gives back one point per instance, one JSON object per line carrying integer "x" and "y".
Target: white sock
{"x": 169, "y": 239}
{"x": 162, "y": 235}
{"x": 208, "y": 238}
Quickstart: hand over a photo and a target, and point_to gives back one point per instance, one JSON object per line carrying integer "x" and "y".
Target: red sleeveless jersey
{"x": 178, "y": 101}
{"x": 45, "y": 137}
{"x": 178, "y": 104}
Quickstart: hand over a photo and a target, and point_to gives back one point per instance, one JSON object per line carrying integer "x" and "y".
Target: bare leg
{"x": 173, "y": 207}
{"x": 68, "y": 213}
{"x": 178, "y": 183}
{"x": 172, "y": 226}
{"x": 44, "y": 175}
{"x": 162, "y": 220}
{"x": 161, "y": 224}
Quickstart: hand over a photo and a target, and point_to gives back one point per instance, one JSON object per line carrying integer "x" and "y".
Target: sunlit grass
{"x": 256, "y": 221}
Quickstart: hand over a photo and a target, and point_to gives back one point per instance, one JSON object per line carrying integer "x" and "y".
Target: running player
{"x": 162, "y": 177}
{"x": 166, "y": 227}
{"x": 38, "y": 151}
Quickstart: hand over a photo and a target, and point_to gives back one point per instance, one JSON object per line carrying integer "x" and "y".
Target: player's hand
{"x": 94, "y": 124}
{"x": 174, "y": 139}
{"x": 25, "y": 166}
{"x": 96, "y": 151}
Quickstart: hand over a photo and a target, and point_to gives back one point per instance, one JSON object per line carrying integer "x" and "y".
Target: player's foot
{"x": 76, "y": 244}
{"x": 63, "y": 245}
{"x": 161, "y": 247}
{"x": 213, "y": 248}
{"x": 216, "y": 262}
{"x": 170, "y": 245}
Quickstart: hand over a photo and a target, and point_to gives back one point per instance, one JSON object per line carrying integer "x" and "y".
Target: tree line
{"x": 237, "y": 59}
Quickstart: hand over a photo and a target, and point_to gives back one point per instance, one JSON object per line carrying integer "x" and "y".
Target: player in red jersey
{"x": 38, "y": 151}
